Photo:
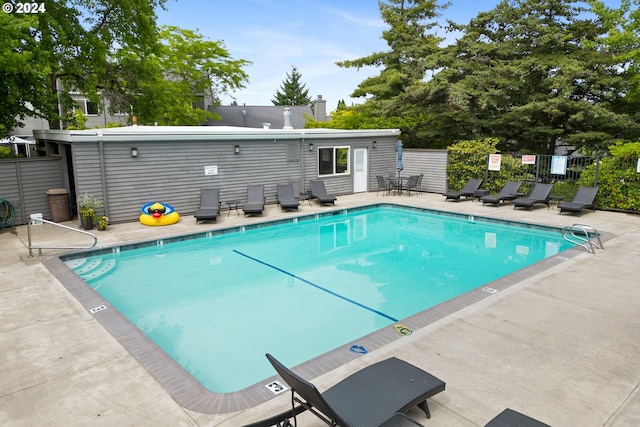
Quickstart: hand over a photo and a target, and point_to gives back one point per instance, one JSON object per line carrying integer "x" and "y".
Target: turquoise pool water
{"x": 217, "y": 304}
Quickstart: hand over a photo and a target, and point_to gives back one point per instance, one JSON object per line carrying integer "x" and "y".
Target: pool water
{"x": 217, "y": 304}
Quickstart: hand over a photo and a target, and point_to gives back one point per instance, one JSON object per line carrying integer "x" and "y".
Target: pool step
{"x": 91, "y": 270}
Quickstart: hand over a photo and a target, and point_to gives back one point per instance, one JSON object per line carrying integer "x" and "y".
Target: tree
{"x": 103, "y": 47}
{"x": 411, "y": 48}
{"x": 522, "y": 72}
{"x": 168, "y": 85}
{"x": 292, "y": 91}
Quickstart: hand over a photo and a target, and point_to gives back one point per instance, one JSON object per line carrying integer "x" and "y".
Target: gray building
{"x": 128, "y": 167}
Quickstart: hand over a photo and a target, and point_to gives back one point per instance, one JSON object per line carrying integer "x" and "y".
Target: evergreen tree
{"x": 292, "y": 91}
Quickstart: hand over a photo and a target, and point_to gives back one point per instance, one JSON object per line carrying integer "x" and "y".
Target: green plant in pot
{"x": 87, "y": 205}
{"x": 103, "y": 223}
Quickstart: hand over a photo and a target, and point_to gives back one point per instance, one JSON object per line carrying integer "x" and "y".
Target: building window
{"x": 333, "y": 160}
{"x": 88, "y": 108}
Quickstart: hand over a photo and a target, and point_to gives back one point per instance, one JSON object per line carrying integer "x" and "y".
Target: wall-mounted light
{"x": 236, "y": 149}
{"x": 134, "y": 151}
{"x": 311, "y": 146}
{"x": 374, "y": 144}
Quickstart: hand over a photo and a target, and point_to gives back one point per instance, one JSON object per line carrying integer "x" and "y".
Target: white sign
{"x": 559, "y": 165}
{"x": 494, "y": 162}
{"x": 528, "y": 159}
{"x": 211, "y": 170}
{"x": 638, "y": 167}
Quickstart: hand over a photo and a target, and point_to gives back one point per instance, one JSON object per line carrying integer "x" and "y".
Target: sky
{"x": 310, "y": 35}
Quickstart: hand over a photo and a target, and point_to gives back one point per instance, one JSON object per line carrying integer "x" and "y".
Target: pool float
{"x": 158, "y": 214}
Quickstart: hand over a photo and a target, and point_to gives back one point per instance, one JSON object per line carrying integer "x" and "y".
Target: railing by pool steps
{"x": 38, "y": 221}
{"x": 582, "y": 235}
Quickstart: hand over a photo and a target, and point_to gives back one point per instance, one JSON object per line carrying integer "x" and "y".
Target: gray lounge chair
{"x": 320, "y": 193}
{"x": 584, "y": 198}
{"x": 209, "y": 205}
{"x": 255, "y": 200}
{"x": 367, "y": 398}
{"x": 539, "y": 194}
{"x": 285, "y": 197}
{"x": 511, "y": 418}
{"x": 508, "y": 192}
{"x": 467, "y": 191}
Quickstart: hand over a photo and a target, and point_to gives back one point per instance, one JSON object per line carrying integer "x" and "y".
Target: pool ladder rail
{"x": 39, "y": 221}
{"x": 582, "y": 235}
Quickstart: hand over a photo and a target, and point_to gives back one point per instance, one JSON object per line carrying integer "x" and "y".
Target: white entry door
{"x": 360, "y": 170}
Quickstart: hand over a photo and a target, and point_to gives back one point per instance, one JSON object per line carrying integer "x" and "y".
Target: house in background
{"x": 274, "y": 116}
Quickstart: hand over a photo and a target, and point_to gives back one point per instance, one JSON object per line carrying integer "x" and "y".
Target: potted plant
{"x": 103, "y": 222}
{"x": 87, "y": 209}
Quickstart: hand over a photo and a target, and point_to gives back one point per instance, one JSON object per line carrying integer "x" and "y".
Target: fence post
{"x": 595, "y": 175}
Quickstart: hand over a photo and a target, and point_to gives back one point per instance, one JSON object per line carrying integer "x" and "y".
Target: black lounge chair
{"x": 320, "y": 193}
{"x": 209, "y": 205}
{"x": 367, "y": 398}
{"x": 508, "y": 192}
{"x": 539, "y": 194}
{"x": 255, "y": 200}
{"x": 583, "y": 199}
{"x": 467, "y": 191}
{"x": 511, "y": 418}
{"x": 285, "y": 197}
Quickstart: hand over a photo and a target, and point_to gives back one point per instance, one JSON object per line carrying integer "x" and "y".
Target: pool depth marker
{"x": 373, "y": 310}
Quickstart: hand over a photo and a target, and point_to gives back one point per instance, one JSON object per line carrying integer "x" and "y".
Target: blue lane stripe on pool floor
{"x": 373, "y": 310}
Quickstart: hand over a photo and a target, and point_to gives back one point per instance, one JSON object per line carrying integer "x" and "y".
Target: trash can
{"x": 59, "y": 204}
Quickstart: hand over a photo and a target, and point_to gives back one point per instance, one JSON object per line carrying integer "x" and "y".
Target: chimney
{"x": 320, "y": 109}
{"x": 287, "y": 119}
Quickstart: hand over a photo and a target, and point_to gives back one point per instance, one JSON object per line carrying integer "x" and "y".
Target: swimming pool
{"x": 349, "y": 266}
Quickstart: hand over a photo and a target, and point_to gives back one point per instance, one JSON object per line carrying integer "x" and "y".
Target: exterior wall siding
{"x": 432, "y": 163}
{"x": 173, "y": 172}
{"x": 25, "y": 183}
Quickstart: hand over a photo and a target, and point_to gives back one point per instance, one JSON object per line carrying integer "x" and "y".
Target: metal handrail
{"x": 580, "y": 234}
{"x": 40, "y": 248}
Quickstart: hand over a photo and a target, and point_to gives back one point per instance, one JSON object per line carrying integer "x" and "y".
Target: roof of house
{"x": 255, "y": 116}
{"x": 206, "y": 133}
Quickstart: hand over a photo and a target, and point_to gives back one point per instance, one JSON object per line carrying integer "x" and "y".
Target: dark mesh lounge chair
{"x": 539, "y": 194}
{"x": 209, "y": 204}
{"x": 511, "y": 418}
{"x": 285, "y": 197}
{"x": 255, "y": 200}
{"x": 508, "y": 192}
{"x": 467, "y": 191}
{"x": 367, "y": 398}
{"x": 583, "y": 199}
{"x": 320, "y": 193}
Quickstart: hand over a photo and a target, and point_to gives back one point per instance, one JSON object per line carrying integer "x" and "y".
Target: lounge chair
{"x": 508, "y": 192}
{"x": 467, "y": 191}
{"x": 539, "y": 194}
{"x": 285, "y": 197}
{"x": 209, "y": 205}
{"x": 320, "y": 193}
{"x": 583, "y": 199}
{"x": 255, "y": 200}
{"x": 368, "y": 397}
{"x": 511, "y": 418}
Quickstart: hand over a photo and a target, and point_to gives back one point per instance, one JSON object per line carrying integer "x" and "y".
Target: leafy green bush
{"x": 6, "y": 153}
{"x": 618, "y": 180}
{"x": 468, "y": 159}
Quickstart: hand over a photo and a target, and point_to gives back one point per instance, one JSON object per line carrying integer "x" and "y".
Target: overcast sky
{"x": 311, "y": 35}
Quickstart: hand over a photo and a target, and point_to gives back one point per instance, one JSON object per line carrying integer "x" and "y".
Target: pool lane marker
{"x": 373, "y": 310}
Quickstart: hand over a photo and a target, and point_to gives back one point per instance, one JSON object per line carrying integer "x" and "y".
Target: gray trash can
{"x": 59, "y": 204}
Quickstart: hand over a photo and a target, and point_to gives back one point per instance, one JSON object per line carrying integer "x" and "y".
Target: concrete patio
{"x": 561, "y": 345}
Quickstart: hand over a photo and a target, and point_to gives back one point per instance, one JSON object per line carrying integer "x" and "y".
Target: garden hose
{"x": 7, "y": 213}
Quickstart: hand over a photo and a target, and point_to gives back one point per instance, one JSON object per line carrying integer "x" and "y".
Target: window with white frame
{"x": 333, "y": 160}
{"x": 88, "y": 108}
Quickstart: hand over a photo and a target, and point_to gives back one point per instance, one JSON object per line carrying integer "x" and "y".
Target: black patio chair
{"x": 209, "y": 205}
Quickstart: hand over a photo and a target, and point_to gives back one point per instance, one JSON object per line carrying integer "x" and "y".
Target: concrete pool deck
{"x": 561, "y": 345}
